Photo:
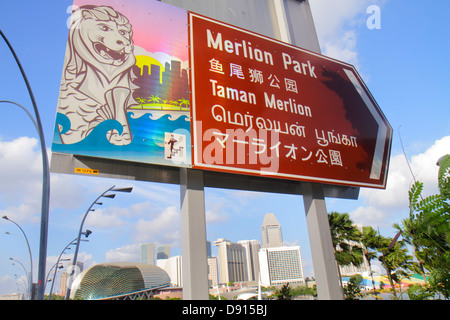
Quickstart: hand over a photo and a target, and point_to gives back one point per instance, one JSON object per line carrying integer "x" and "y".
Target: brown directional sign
{"x": 263, "y": 107}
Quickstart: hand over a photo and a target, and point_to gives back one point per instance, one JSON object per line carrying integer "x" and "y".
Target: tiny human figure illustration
{"x": 175, "y": 144}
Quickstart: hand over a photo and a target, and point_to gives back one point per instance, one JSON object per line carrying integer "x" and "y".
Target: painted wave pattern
{"x": 148, "y": 131}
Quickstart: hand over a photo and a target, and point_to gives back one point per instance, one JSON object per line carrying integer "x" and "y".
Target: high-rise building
{"x": 65, "y": 276}
{"x": 278, "y": 264}
{"x": 213, "y": 274}
{"x": 232, "y": 261}
{"x": 271, "y": 232}
{"x": 251, "y": 254}
{"x": 281, "y": 265}
{"x": 163, "y": 252}
{"x": 208, "y": 249}
{"x": 148, "y": 253}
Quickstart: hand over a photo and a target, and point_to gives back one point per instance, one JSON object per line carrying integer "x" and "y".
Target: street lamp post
{"x": 74, "y": 241}
{"x": 26, "y": 275}
{"x": 75, "y": 256}
{"x": 29, "y": 252}
{"x": 45, "y": 181}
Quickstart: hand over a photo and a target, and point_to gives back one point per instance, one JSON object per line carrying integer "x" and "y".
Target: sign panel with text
{"x": 264, "y": 107}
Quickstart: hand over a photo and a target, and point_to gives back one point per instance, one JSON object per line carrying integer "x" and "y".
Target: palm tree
{"x": 345, "y": 237}
{"x": 184, "y": 102}
{"x": 369, "y": 240}
{"x": 141, "y": 101}
{"x": 153, "y": 98}
{"x": 395, "y": 259}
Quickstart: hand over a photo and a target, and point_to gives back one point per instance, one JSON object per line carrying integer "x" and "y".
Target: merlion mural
{"x": 97, "y": 74}
{"x": 124, "y": 91}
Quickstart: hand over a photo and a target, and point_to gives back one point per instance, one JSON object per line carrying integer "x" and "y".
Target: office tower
{"x": 251, "y": 254}
{"x": 148, "y": 253}
{"x": 232, "y": 261}
{"x": 208, "y": 249}
{"x": 281, "y": 265}
{"x": 163, "y": 252}
{"x": 271, "y": 232}
{"x": 65, "y": 276}
{"x": 213, "y": 274}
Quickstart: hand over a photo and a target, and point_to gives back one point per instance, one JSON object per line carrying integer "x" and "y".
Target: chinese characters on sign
{"x": 264, "y": 107}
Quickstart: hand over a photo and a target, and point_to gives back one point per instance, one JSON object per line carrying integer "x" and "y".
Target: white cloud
{"x": 9, "y": 285}
{"x": 86, "y": 258}
{"x": 104, "y": 219}
{"x": 215, "y": 215}
{"x": 21, "y": 182}
{"x": 370, "y": 216}
{"x": 383, "y": 207}
{"x": 162, "y": 227}
{"x": 337, "y": 23}
{"x": 21, "y": 179}
{"x": 128, "y": 253}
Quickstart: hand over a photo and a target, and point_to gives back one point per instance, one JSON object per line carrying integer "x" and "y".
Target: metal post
{"x": 29, "y": 253}
{"x": 325, "y": 267}
{"x": 75, "y": 255}
{"x": 27, "y": 274}
{"x": 74, "y": 241}
{"x": 45, "y": 182}
{"x": 193, "y": 235}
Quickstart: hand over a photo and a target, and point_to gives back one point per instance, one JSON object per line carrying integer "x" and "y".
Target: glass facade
{"x": 112, "y": 279}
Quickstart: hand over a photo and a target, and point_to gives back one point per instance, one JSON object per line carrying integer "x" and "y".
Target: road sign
{"x": 263, "y": 107}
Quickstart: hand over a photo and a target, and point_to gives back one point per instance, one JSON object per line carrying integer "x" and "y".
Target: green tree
{"x": 444, "y": 177}
{"x": 345, "y": 237}
{"x": 427, "y": 230}
{"x": 395, "y": 260}
{"x": 369, "y": 240}
{"x": 284, "y": 293}
{"x": 352, "y": 290}
{"x": 304, "y": 291}
{"x": 418, "y": 292}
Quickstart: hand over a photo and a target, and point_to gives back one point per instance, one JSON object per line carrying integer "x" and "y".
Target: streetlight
{"x": 74, "y": 241}
{"x": 29, "y": 252}
{"x": 26, "y": 275}
{"x": 45, "y": 180}
{"x": 56, "y": 266}
{"x": 75, "y": 256}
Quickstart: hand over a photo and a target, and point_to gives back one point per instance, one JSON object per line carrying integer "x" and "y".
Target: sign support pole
{"x": 325, "y": 267}
{"x": 193, "y": 235}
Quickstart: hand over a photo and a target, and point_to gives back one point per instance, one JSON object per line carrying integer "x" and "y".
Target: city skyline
{"x": 246, "y": 257}
{"x": 401, "y": 62}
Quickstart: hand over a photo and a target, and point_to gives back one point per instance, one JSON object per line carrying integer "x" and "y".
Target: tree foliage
{"x": 284, "y": 293}
{"x": 427, "y": 230}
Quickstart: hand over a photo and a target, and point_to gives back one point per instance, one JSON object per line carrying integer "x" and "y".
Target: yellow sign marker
{"x": 86, "y": 171}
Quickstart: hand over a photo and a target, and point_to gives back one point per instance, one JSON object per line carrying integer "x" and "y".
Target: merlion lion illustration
{"x": 96, "y": 81}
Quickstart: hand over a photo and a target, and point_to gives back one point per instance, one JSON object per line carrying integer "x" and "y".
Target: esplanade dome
{"x": 116, "y": 278}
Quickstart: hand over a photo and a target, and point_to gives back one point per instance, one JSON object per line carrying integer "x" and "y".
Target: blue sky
{"x": 404, "y": 64}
